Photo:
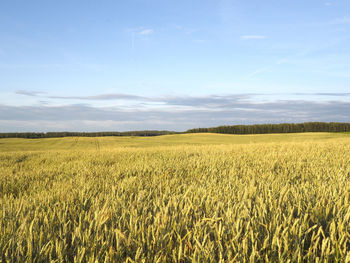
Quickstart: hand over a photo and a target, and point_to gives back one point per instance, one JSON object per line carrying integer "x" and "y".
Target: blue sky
{"x": 125, "y": 65}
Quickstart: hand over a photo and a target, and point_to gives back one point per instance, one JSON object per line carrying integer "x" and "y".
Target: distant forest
{"x": 278, "y": 128}
{"x": 38, "y": 135}
{"x": 234, "y": 129}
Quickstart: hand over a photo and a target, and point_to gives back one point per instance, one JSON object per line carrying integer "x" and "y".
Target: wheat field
{"x": 176, "y": 198}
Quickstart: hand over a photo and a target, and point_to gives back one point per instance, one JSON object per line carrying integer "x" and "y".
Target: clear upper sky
{"x": 121, "y": 65}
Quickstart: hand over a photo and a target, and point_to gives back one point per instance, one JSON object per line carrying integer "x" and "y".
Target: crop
{"x": 271, "y": 201}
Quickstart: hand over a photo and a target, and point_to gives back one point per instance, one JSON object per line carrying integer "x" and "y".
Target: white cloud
{"x": 191, "y": 112}
{"x": 246, "y": 37}
{"x": 146, "y": 32}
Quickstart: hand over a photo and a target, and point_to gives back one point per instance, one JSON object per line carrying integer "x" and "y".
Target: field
{"x": 176, "y": 198}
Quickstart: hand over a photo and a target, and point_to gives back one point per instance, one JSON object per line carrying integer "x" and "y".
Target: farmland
{"x": 176, "y": 198}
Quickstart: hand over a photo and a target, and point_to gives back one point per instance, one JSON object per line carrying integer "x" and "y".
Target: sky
{"x": 88, "y": 65}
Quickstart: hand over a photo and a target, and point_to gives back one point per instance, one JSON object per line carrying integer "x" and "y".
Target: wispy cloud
{"x": 248, "y": 37}
{"x": 138, "y": 32}
{"x": 256, "y": 72}
{"x": 165, "y": 100}
{"x": 343, "y": 94}
{"x": 341, "y": 21}
{"x": 108, "y": 96}
{"x": 208, "y": 100}
{"x": 146, "y": 32}
{"x": 29, "y": 93}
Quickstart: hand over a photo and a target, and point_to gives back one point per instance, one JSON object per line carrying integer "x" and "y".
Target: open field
{"x": 176, "y": 198}
{"x": 104, "y": 143}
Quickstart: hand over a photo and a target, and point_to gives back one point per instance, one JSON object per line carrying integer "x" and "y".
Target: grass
{"x": 176, "y": 198}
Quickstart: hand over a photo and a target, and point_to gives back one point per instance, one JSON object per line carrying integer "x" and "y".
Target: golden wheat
{"x": 276, "y": 202}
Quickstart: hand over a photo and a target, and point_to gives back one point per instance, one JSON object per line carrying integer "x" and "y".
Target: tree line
{"x": 232, "y": 129}
{"x": 277, "y": 128}
{"x": 38, "y": 135}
